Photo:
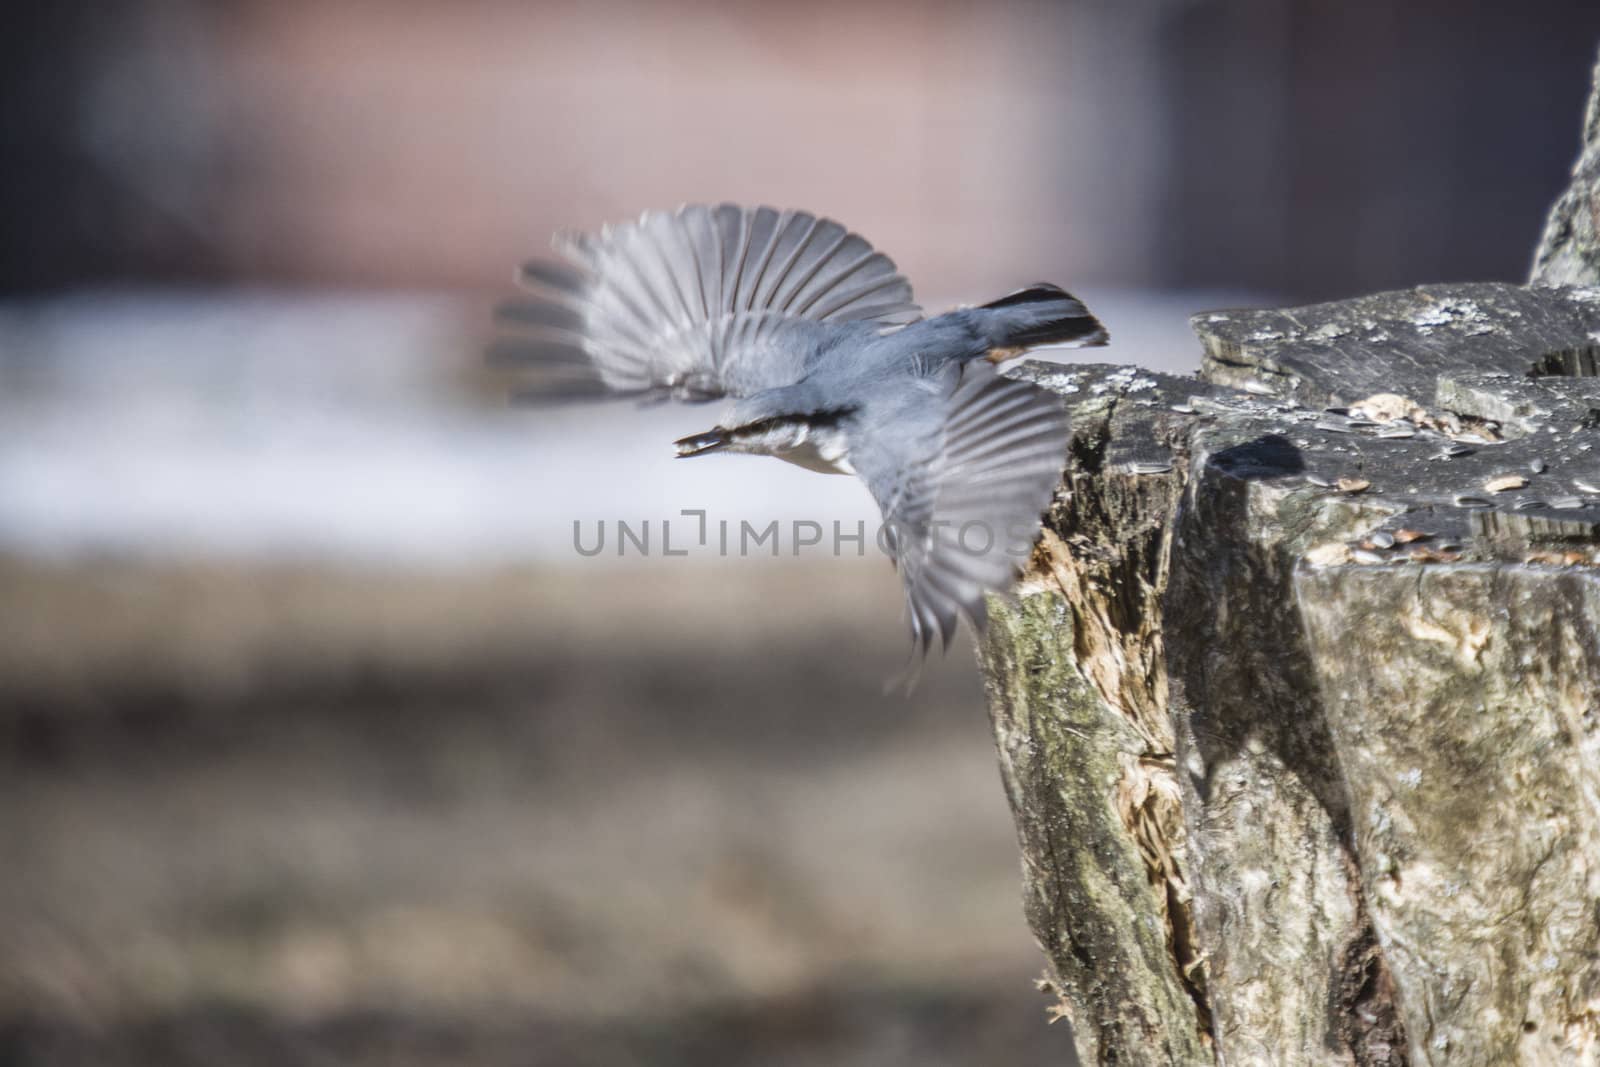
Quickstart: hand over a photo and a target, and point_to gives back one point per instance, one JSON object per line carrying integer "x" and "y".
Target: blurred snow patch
{"x": 365, "y": 429}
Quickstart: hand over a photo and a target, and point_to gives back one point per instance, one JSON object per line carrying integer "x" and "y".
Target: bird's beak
{"x": 700, "y": 443}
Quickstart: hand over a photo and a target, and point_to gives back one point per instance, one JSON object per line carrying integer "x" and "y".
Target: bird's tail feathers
{"x": 1041, "y": 314}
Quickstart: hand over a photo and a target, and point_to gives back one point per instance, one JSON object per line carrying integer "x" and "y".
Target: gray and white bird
{"x": 812, "y": 341}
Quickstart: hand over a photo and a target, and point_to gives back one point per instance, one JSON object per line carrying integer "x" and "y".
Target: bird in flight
{"x": 813, "y": 344}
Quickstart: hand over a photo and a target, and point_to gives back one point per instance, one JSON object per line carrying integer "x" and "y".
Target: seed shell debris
{"x": 1505, "y": 483}
{"x": 1569, "y": 558}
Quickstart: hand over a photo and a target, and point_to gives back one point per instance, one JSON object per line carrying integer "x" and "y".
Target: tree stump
{"x": 1298, "y": 706}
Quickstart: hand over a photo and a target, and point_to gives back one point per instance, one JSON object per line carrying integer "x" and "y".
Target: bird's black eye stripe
{"x": 831, "y": 417}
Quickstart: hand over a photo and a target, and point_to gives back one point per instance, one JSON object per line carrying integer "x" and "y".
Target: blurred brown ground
{"x": 658, "y": 815}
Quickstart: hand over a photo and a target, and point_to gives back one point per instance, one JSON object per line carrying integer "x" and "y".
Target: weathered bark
{"x": 1569, "y": 251}
{"x": 1299, "y": 710}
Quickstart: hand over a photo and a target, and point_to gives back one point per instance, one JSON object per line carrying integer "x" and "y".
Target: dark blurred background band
{"x": 1313, "y": 149}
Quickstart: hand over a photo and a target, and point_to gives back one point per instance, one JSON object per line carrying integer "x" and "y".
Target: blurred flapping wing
{"x": 962, "y": 506}
{"x": 695, "y": 304}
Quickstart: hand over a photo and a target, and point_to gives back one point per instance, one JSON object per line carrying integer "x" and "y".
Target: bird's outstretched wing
{"x": 962, "y": 500}
{"x": 698, "y": 303}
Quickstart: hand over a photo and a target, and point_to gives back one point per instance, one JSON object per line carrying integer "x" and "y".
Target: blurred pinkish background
{"x": 318, "y": 740}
